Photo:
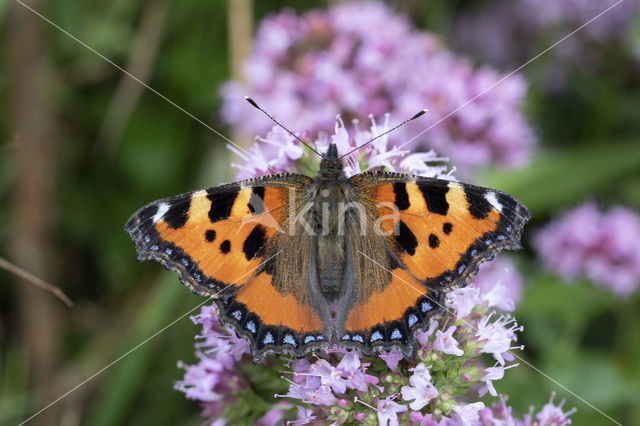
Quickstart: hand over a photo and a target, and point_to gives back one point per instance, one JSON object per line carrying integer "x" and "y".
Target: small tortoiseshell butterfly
{"x": 296, "y": 264}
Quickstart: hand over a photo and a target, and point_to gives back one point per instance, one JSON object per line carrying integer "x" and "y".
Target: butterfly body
{"x": 296, "y": 264}
{"x": 329, "y": 192}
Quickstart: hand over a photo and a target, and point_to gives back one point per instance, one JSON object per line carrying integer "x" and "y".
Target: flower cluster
{"x": 550, "y": 415}
{"x": 308, "y": 69}
{"x": 508, "y": 33}
{"x": 281, "y": 152}
{"x": 433, "y": 388}
{"x": 214, "y": 379}
{"x": 340, "y": 387}
{"x": 603, "y": 247}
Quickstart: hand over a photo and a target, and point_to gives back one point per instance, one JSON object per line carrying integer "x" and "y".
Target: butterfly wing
{"x": 222, "y": 242}
{"x": 439, "y": 232}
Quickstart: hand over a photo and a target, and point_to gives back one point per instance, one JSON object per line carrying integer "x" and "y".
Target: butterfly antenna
{"x": 387, "y": 132}
{"x": 252, "y": 102}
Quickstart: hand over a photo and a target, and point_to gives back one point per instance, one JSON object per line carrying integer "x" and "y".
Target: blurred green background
{"x": 84, "y": 146}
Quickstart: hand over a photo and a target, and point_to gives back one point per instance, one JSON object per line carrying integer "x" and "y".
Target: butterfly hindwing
{"x": 221, "y": 241}
{"x": 390, "y": 318}
{"x": 439, "y": 233}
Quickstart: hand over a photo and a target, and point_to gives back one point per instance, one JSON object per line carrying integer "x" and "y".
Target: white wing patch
{"x": 163, "y": 208}
{"x": 493, "y": 200}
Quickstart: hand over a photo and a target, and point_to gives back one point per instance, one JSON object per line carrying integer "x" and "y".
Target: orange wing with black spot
{"x": 439, "y": 233}
{"x": 221, "y": 241}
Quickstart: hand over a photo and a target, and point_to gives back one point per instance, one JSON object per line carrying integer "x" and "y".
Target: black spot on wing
{"x": 447, "y": 227}
{"x": 402, "y": 198}
{"x": 178, "y": 214}
{"x": 435, "y": 195}
{"x": 479, "y": 207}
{"x": 256, "y": 201}
{"x": 225, "y": 246}
{"x": 434, "y": 241}
{"x": 254, "y": 242}
{"x": 221, "y": 204}
{"x": 406, "y": 239}
{"x": 210, "y": 235}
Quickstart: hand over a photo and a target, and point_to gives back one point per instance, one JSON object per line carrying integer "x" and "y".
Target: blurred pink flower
{"x": 503, "y": 271}
{"x": 550, "y": 414}
{"x": 307, "y": 69}
{"x": 214, "y": 379}
{"x": 603, "y": 247}
{"x": 507, "y": 33}
{"x": 467, "y": 414}
{"x": 391, "y": 358}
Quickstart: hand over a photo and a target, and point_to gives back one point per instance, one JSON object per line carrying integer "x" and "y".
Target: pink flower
{"x": 329, "y": 376}
{"x": 214, "y": 378}
{"x": 391, "y": 358}
{"x": 445, "y": 342}
{"x": 353, "y": 371}
{"x": 304, "y": 416}
{"x": 423, "y": 336}
{"x": 499, "y": 414}
{"x": 463, "y": 300}
{"x": 421, "y": 390}
{"x": 550, "y": 414}
{"x": 499, "y": 282}
{"x": 430, "y": 420}
{"x": 467, "y": 414}
{"x": 388, "y": 411}
{"x": 274, "y": 415}
{"x": 277, "y": 144}
{"x": 491, "y": 374}
{"x": 497, "y": 336}
{"x": 506, "y": 33}
{"x": 303, "y": 385}
{"x": 604, "y": 247}
{"x": 323, "y": 396}
{"x": 416, "y": 416}
{"x": 308, "y": 69}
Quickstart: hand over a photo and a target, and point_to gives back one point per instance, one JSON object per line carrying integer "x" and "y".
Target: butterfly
{"x": 296, "y": 264}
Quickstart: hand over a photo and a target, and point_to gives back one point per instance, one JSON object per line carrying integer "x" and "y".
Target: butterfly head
{"x": 331, "y": 165}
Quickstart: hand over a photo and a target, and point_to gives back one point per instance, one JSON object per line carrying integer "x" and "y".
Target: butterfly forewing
{"x": 222, "y": 241}
{"x": 440, "y": 232}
